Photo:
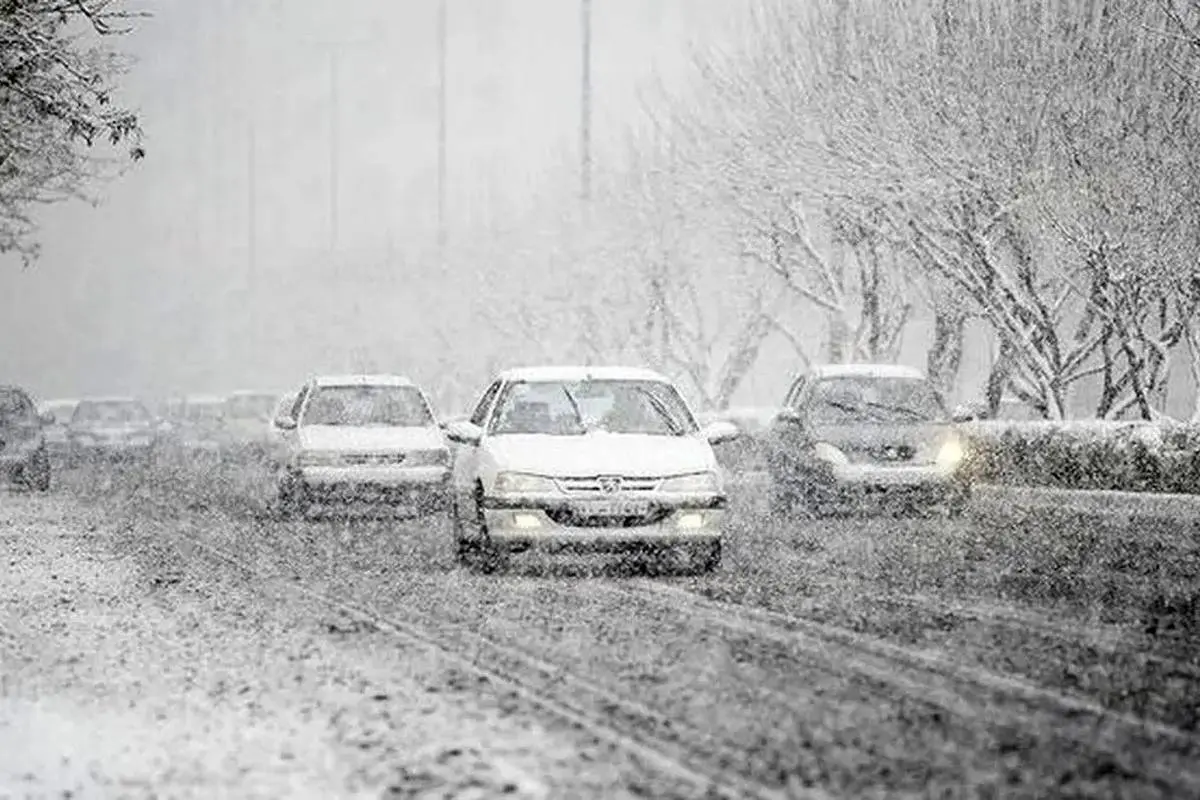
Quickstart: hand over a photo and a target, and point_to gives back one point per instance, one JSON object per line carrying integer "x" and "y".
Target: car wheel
{"x": 464, "y": 548}
{"x": 488, "y": 557}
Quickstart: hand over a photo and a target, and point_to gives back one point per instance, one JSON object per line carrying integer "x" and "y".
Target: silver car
{"x": 107, "y": 428}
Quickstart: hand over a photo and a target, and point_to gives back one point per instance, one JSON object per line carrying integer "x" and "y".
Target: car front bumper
{"x": 398, "y": 485}
{"x": 857, "y": 483}
{"x": 554, "y": 523}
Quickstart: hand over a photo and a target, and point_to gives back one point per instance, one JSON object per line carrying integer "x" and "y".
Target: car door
{"x": 466, "y": 456}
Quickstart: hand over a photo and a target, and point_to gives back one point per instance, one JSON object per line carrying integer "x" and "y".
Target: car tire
{"x": 487, "y": 557}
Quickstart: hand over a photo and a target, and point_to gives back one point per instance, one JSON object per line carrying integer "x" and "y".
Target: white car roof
{"x": 57, "y": 403}
{"x": 361, "y": 380}
{"x": 111, "y": 398}
{"x": 253, "y": 393}
{"x": 203, "y": 399}
{"x": 865, "y": 371}
{"x": 568, "y": 373}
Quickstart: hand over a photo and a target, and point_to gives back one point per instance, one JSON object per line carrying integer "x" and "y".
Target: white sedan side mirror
{"x": 285, "y": 423}
{"x": 720, "y": 431}
{"x": 463, "y": 432}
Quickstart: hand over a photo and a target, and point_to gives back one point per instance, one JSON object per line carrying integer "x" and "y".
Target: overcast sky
{"x": 152, "y": 290}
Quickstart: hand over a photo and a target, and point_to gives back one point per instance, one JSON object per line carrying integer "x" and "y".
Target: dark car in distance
{"x": 854, "y": 436}
{"x": 24, "y": 460}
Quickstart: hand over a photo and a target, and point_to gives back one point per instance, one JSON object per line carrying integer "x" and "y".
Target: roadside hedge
{"x": 1132, "y": 457}
{"x": 1077, "y": 454}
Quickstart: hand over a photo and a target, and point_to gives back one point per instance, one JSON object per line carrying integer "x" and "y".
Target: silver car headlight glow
{"x": 523, "y": 483}
{"x": 826, "y": 452}
{"x": 693, "y": 483}
{"x": 950, "y": 454}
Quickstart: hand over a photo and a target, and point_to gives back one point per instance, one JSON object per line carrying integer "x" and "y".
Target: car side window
{"x": 479, "y": 416}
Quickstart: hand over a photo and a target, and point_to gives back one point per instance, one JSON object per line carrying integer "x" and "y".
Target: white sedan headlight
{"x": 694, "y": 483}
{"x": 523, "y": 483}
{"x": 951, "y": 454}
{"x": 826, "y": 452}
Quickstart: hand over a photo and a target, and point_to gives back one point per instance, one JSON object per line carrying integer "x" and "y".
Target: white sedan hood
{"x": 600, "y": 453}
{"x": 369, "y": 439}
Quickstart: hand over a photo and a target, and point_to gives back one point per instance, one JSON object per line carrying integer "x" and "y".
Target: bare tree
{"x": 56, "y": 104}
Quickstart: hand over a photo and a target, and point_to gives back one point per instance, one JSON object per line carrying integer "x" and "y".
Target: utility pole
{"x": 251, "y": 205}
{"x": 585, "y": 122}
{"x": 334, "y": 105}
{"x": 441, "y": 133}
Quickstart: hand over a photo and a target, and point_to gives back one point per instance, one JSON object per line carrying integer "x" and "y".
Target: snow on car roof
{"x": 253, "y": 393}
{"x": 60, "y": 403}
{"x": 203, "y": 399}
{"x": 865, "y": 371}
{"x": 566, "y": 373}
{"x": 362, "y": 380}
{"x": 111, "y": 398}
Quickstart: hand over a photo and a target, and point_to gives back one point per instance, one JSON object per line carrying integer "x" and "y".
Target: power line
{"x": 585, "y": 122}
{"x": 441, "y": 133}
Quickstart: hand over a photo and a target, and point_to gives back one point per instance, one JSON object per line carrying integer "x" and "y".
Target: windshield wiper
{"x": 583, "y": 428}
{"x": 900, "y": 409}
{"x": 661, "y": 408}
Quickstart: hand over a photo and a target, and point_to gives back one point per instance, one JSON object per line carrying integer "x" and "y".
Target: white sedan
{"x": 362, "y": 438}
{"x": 600, "y": 459}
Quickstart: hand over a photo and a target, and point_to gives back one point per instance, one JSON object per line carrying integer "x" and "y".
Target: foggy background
{"x": 160, "y": 289}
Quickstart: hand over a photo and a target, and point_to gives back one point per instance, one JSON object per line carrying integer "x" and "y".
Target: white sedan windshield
{"x": 567, "y": 408}
{"x": 360, "y": 406}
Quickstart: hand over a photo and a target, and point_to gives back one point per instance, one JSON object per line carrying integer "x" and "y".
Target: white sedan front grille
{"x": 372, "y": 459}
{"x": 609, "y": 484}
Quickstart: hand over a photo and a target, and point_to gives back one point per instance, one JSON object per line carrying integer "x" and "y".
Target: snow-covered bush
{"x": 1087, "y": 454}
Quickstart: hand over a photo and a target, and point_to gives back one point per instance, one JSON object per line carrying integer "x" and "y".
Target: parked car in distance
{"x": 247, "y": 421}
{"x": 57, "y": 414}
{"x": 597, "y": 459}
{"x": 850, "y": 435}
{"x": 103, "y": 428}
{"x": 355, "y": 439}
{"x": 24, "y": 460}
{"x": 201, "y": 424}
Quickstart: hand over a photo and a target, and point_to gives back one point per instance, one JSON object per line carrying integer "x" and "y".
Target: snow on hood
{"x": 868, "y": 435}
{"x": 369, "y": 439}
{"x": 600, "y": 453}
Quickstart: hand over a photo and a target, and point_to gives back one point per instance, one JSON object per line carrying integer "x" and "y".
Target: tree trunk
{"x": 945, "y": 354}
{"x": 999, "y": 375}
